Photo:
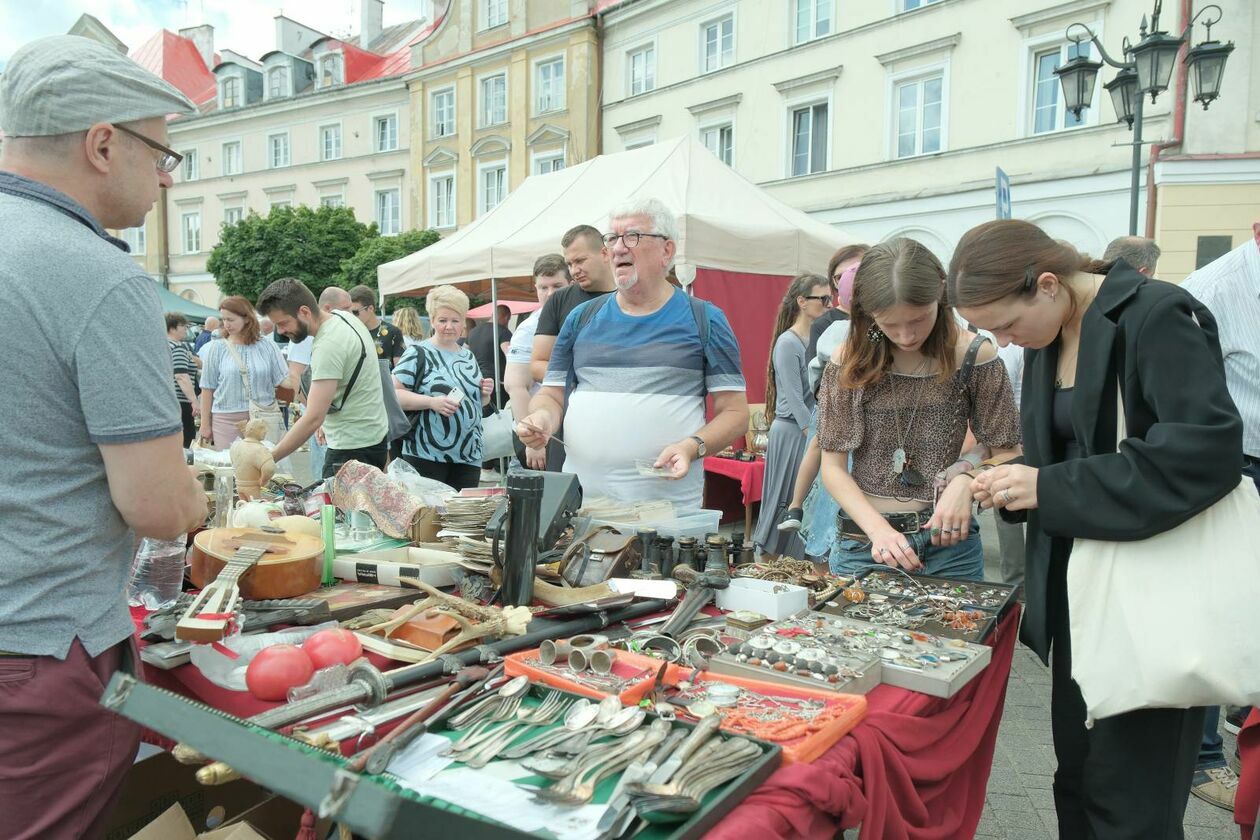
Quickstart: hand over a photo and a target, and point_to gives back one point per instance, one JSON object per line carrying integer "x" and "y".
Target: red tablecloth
{"x": 749, "y": 474}
{"x": 916, "y": 768}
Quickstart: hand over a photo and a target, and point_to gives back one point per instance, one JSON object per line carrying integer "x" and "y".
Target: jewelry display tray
{"x": 868, "y": 667}
{"x": 877, "y": 581}
{"x": 943, "y": 679}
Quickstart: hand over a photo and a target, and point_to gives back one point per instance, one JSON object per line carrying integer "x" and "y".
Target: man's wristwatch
{"x": 701, "y": 449}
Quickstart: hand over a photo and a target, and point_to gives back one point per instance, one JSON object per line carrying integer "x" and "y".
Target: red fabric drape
{"x": 750, "y": 302}
{"x": 915, "y": 769}
{"x": 749, "y": 474}
{"x": 1247, "y": 801}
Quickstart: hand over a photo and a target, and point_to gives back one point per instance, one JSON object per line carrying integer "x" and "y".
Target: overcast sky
{"x": 245, "y": 26}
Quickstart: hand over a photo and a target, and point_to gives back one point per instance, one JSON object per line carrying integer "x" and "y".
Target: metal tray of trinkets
{"x": 939, "y": 606}
{"x": 804, "y": 650}
{"x": 915, "y": 660}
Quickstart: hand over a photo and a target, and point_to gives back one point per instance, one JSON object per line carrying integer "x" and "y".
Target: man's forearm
{"x": 544, "y": 402}
{"x": 725, "y": 427}
{"x": 185, "y": 385}
{"x": 298, "y": 434}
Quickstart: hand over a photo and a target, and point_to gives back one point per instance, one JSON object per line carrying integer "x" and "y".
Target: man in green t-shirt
{"x": 345, "y": 396}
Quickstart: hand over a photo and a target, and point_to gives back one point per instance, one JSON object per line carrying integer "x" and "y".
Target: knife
{"x": 701, "y": 733}
{"x": 619, "y": 803}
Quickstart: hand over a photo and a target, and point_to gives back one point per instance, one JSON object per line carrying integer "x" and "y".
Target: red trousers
{"x": 63, "y": 756}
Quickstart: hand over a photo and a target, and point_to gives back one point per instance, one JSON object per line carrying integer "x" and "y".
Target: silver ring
{"x": 1006, "y": 496}
{"x": 954, "y": 530}
{"x": 905, "y": 546}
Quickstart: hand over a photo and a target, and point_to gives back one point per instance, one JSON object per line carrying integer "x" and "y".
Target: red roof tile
{"x": 175, "y": 59}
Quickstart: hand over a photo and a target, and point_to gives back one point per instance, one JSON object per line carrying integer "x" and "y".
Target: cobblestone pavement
{"x": 1019, "y": 804}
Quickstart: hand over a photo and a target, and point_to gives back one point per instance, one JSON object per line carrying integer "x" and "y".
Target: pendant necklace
{"x": 901, "y": 463}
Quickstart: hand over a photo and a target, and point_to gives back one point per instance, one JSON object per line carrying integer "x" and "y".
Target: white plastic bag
{"x": 229, "y": 673}
{"x": 427, "y": 491}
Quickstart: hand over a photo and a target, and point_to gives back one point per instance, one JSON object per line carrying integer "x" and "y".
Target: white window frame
{"x": 288, "y": 151}
{"x": 790, "y": 115}
{"x": 722, "y": 58}
{"x": 388, "y": 118}
{"x": 136, "y": 239}
{"x": 336, "y": 58}
{"x": 377, "y": 195}
{"x": 287, "y": 88}
{"x": 333, "y": 200}
{"x": 543, "y": 163}
{"x": 190, "y": 167}
{"x": 279, "y": 202}
{"x": 232, "y": 215}
{"x": 187, "y": 233}
{"x": 903, "y": 6}
{"x": 237, "y": 91}
{"x": 224, "y": 158}
{"x": 438, "y": 219}
{"x": 557, "y": 99}
{"x": 648, "y": 50}
{"x": 483, "y": 169}
{"x": 324, "y": 135}
{"x": 1028, "y": 82}
{"x": 815, "y": 6}
{"x": 892, "y": 123}
{"x": 485, "y": 19}
{"x": 434, "y": 126}
{"x": 485, "y": 114}
{"x": 718, "y": 126}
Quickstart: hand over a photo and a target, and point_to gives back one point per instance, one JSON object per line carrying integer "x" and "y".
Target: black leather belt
{"x": 908, "y": 522}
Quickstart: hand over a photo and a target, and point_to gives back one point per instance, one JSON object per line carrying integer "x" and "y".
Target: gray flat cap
{"x": 66, "y": 83}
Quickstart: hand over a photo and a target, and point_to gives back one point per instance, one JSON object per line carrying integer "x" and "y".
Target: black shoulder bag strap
{"x": 969, "y": 367}
{"x": 358, "y": 367}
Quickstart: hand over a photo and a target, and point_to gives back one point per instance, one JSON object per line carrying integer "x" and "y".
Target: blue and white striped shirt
{"x": 222, "y": 374}
{"x": 1230, "y": 288}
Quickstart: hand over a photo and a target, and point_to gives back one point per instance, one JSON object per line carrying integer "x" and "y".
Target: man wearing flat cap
{"x": 90, "y": 455}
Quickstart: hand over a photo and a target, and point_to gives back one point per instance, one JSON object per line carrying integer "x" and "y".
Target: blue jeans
{"x": 964, "y": 560}
{"x": 1212, "y": 749}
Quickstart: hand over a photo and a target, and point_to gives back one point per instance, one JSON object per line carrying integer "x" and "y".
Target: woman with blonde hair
{"x": 791, "y": 400}
{"x": 239, "y": 377}
{"x": 898, "y": 396}
{"x": 409, "y": 324}
{"x": 439, "y": 380}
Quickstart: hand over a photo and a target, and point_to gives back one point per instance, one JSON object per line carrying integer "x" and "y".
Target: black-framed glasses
{"x": 169, "y": 160}
{"x": 631, "y": 239}
{"x": 825, "y": 300}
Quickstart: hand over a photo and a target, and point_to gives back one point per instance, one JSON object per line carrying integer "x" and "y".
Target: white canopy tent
{"x": 724, "y": 221}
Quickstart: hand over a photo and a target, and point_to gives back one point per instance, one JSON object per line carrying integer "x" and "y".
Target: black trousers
{"x": 1129, "y": 776}
{"x": 190, "y": 428}
{"x": 375, "y": 455}
{"x": 459, "y": 476}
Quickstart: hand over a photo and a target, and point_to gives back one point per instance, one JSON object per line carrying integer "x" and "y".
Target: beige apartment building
{"x": 316, "y": 121}
{"x": 501, "y": 90}
{"x": 890, "y": 117}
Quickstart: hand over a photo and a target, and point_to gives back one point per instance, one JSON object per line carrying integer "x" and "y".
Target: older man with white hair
{"x": 91, "y": 456}
{"x": 630, "y": 372}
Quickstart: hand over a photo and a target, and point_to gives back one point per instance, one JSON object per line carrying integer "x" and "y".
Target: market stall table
{"x": 917, "y": 767}
{"x": 749, "y": 474}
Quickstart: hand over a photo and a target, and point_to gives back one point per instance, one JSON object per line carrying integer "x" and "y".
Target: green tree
{"x": 288, "y": 242}
{"x": 361, "y": 268}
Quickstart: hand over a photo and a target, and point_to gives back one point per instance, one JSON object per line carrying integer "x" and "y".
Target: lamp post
{"x": 1146, "y": 69}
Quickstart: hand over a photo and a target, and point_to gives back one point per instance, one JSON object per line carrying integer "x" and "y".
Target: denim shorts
{"x": 964, "y": 560}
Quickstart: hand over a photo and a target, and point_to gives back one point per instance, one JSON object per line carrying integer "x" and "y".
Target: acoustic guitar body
{"x": 291, "y": 567}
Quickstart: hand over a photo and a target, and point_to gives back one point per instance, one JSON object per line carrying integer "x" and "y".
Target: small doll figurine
{"x": 251, "y": 460}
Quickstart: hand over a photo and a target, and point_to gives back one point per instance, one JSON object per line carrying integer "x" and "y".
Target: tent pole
{"x": 498, "y": 374}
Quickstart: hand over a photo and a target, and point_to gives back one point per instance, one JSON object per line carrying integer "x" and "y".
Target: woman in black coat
{"x": 1085, "y": 324}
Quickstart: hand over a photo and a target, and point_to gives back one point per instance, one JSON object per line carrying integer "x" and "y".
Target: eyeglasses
{"x": 356, "y": 312}
{"x": 169, "y": 159}
{"x": 825, "y": 300}
{"x": 631, "y": 239}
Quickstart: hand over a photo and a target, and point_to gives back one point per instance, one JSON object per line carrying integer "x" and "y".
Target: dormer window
{"x": 330, "y": 70}
{"x": 230, "y": 92}
{"x": 277, "y": 82}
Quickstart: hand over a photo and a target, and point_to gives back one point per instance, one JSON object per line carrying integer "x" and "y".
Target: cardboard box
{"x": 430, "y": 564}
{"x": 773, "y": 600}
{"x": 425, "y": 527}
{"x": 174, "y": 824}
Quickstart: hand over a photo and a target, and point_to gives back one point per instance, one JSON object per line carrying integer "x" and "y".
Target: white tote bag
{"x": 1172, "y": 621}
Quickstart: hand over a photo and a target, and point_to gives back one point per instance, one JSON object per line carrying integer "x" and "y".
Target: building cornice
{"x": 493, "y": 52}
{"x": 830, "y": 74}
{"x": 638, "y": 125}
{"x": 937, "y": 45}
{"x": 1072, "y": 7}
{"x": 272, "y": 107}
{"x": 715, "y": 104}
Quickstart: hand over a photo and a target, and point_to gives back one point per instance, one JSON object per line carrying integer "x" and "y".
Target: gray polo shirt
{"x": 85, "y": 364}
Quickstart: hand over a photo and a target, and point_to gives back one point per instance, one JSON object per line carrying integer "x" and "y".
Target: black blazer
{"x": 1184, "y": 447}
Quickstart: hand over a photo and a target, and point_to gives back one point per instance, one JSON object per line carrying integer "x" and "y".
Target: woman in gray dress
{"x": 788, "y": 394}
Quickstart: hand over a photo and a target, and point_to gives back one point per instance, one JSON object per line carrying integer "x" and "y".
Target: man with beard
{"x": 345, "y": 395}
{"x": 642, "y": 360}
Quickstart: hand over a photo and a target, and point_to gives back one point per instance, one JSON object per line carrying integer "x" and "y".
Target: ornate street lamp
{"x": 1147, "y": 68}
{"x": 1124, "y": 92}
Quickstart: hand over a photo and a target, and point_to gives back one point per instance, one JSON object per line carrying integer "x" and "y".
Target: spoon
{"x": 580, "y": 715}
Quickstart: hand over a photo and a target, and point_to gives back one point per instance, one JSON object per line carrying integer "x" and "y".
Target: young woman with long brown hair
{"x": 899, "y": 395}
{"x": 790, "y": 398}
{"x": 241, "y": 369}
{"x": 1086, "y": 326}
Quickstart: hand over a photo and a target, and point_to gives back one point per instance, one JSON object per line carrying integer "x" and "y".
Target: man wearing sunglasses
{"x": 91, "y": 455}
